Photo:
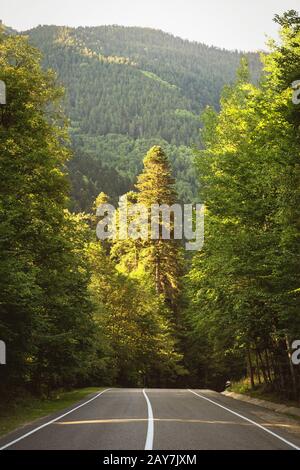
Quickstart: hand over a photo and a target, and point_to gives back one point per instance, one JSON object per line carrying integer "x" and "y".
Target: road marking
{"x": 164, "y": 420}
{"x": 150, "y": 430}
{"x": 247, "y": 419}
{"x": 103, "y": 421}
{"x": 52, "y": 421}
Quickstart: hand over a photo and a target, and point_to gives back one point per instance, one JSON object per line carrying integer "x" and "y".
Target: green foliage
{"x": 135, "y": 287}
{"x": 47, "y": 329}
{"x": 24, "y": 409}
{"x": 90, "y": 176}
{"x": 244, "y": 286}
{"x": 129, "y": 89}
{"x": 75, "y": 311}
{"x": 135, "y": 325}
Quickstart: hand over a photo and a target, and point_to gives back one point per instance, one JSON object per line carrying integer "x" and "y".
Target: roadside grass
{"x": 27, "y": 409}
{"x": 260, "y": 391}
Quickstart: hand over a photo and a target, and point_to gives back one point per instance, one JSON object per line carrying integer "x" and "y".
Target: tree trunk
{"x": 257, "y": 367}
{"x": 262, "y": 367}
{"x": 157, "y": 275}
{"x": 250, "y": 367}
{"x": 292, "y": 371}
{"x": 268, "y": 366}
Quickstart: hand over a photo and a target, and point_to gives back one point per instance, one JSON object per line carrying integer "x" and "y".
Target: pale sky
{"x": 232, "y": 24}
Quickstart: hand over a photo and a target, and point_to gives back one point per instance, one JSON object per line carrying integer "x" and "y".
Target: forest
{"x": 127, "y": 89}
{"x": 95, "y": 113}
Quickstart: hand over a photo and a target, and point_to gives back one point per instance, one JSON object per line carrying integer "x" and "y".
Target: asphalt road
{"x": 154, "y": 419}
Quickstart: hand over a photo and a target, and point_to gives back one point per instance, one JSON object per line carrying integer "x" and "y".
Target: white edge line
{"x": 150, "y": 430}
{"x": 52, "y": 420}
{"x": 247, "y": 419}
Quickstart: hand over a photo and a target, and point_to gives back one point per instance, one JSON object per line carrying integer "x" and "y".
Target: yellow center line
{"x": 176, "y": 420}
{"x": 135, "y": 420}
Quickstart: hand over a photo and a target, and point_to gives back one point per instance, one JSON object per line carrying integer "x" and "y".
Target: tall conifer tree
{"x": 163, "y": 257}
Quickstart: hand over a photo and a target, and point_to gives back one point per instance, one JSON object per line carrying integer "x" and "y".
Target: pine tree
{"x": 133, "y": 319}
{"x": 163, "y": 258}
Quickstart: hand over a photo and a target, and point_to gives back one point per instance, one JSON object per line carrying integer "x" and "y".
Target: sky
{"x": 230, "y": 24}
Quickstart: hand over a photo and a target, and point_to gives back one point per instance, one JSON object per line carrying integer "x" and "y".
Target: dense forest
{"x": 128, "y": 89}
{"x": 76, "y": 310}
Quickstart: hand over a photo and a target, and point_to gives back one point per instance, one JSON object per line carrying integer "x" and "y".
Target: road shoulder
{"x": 28, "y": 413}
{"x": 279, "y": 416}
{"x": 277, "y": 407}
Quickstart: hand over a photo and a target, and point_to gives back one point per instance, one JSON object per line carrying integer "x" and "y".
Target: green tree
{"x": 244, "y": 286}
{"x": 134, "y": 321}
{"x": 163, "y": 257}
{"x": 45, "y": 313}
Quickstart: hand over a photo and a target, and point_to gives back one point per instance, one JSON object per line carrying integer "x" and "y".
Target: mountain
{"x": 129, "y": 88}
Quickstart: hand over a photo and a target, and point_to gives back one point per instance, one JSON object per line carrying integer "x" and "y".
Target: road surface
{"x": 154, "y": 419}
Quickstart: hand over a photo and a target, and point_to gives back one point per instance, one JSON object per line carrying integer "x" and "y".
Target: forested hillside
{"x": 128, "y": 89}
{"x": 78, "y": 310}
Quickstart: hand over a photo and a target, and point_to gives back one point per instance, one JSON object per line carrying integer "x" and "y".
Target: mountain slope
{"x": 130, "y": 87}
